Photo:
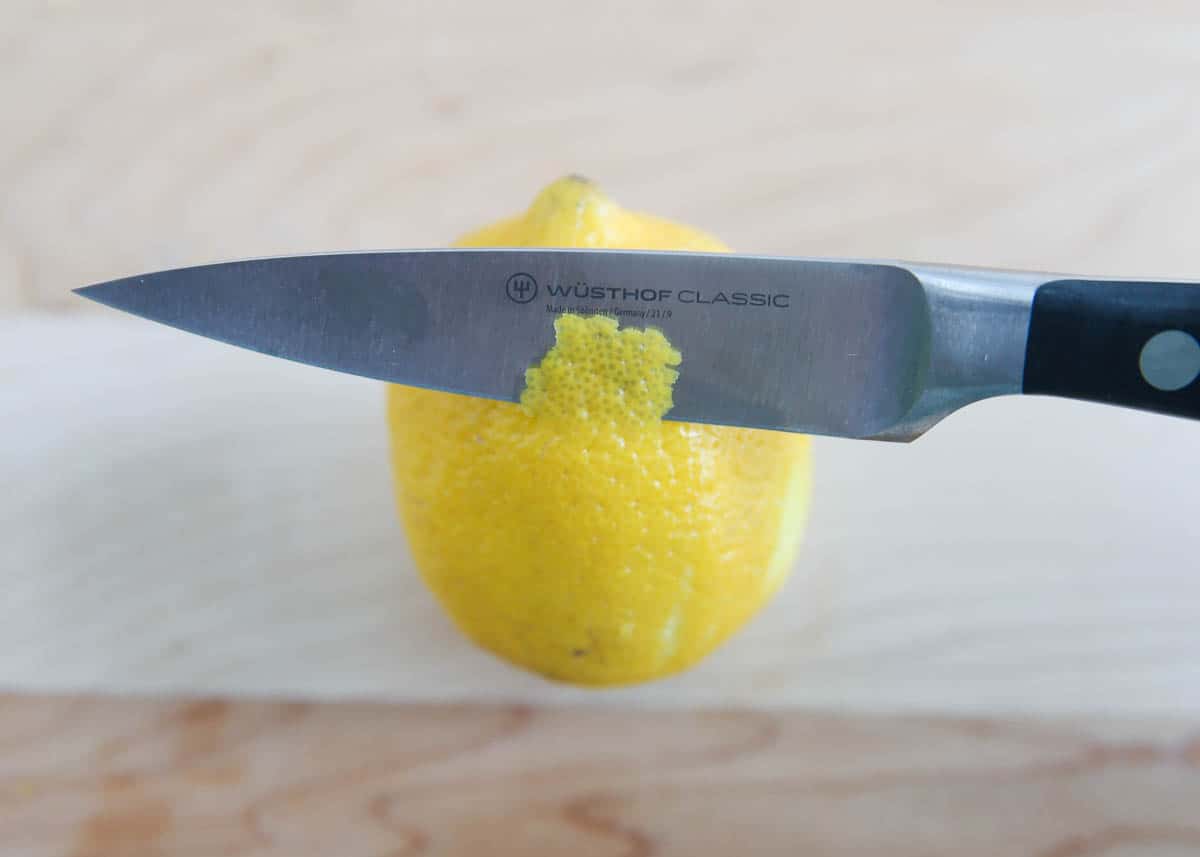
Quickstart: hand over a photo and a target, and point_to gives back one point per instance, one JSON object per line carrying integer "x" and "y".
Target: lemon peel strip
{"x": 600, "y": 372}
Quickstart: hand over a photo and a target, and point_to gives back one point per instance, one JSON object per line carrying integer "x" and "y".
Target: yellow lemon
{"x": 577, "y": 534}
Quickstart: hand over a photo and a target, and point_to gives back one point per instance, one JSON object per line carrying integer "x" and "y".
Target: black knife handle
{"x": 1134, "y": 344}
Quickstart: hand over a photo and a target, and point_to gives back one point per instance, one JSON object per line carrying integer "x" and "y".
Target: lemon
{"x": 578, "y": 534}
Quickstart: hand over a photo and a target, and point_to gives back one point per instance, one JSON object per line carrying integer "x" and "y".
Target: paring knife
{"x": 846, "y": 348}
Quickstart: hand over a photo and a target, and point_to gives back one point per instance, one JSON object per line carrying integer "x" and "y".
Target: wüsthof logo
{"x": 521, "y": 288}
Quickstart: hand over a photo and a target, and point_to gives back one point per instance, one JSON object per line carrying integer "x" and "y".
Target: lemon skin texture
{"x": 577, "y": 534}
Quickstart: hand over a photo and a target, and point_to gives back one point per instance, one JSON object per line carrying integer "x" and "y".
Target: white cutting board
{"x": 178, "y": 515}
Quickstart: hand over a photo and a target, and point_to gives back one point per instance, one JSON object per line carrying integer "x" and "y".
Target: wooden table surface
{"x": 990, "y": 645}
{"x": 86, "y": 778}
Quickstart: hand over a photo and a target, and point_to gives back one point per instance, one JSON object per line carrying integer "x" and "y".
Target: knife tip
{"x": 88, "y": 292}
{"x": 101, "y": 293}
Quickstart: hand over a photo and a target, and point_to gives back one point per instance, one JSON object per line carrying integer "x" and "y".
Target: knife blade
{"x": 857, "y": 349}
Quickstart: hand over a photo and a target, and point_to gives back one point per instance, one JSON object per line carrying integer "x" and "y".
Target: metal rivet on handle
{"x": 1170, "y": 360}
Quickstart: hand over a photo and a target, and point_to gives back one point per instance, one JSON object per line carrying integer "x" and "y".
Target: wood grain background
{"x": 182, "y": 519}
{"x": 203, "y": 777}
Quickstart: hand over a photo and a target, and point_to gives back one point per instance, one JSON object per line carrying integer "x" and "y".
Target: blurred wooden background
{"x": 184, "y": 519}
